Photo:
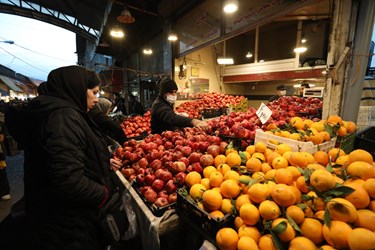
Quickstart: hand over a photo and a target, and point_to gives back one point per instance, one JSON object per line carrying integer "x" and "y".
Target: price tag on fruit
{"x": 264, "y": 113}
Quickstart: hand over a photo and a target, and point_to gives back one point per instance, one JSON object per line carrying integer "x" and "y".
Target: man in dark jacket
{"x": 163, "y": 116}
{"x": 66, "y": 161}
{"x": 281, "y": 91}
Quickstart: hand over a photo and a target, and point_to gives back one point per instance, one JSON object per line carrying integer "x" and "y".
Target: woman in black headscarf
{"x": 66, "y": 159}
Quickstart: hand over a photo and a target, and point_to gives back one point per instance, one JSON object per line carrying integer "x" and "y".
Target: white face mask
{"x": 282, "y": 92}
{"x": 171, "y": 98}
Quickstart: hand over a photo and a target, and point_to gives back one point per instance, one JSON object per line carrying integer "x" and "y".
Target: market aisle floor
{"x": 15, "y": 177}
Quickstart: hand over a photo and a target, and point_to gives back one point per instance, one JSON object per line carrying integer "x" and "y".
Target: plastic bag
{"x": 132, "y": 217}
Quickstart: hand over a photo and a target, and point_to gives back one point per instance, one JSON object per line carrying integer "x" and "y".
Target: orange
{"x": 230, "y": 150}
{"x": 372, "y": 205}
{"x": 266, "y": 167}
{"x": 223, "y": 168}
{"x": 283, "y": 195}
{"x": 296, "y": 213}
{"x": 360, "y": 155}
{"x": 242, "y": 199}
{"x": 206, "y": 183}
{"x": 282, "y": 148}
{"x": 207, "y": 171}
{"x": 301, "y": 159}
{"x": 319, "y": 126}
{"x": 233, "y": 159}
{"x": 334, "y": 153}
{"x": 196, "y": 191}
{"x": 260, "y": 147}
{"x": 301, "y": 184}
{"x": 361, "y": 169}
{"x": 295, "y": 119}
{"x": 283, "y": 176}
{"x": 238, "y": 222}
{"x": 217, "y": 214}
{"x": 299, "y": 124}
{"x": 322, "y": 180}
{"x": 269, "y": 210}
{"x": 260, "y": 156}
{"x": 312, "y": 229}
{"x": 343, "y": 160}
{"x": 316, "y": 203}
{"x": 268, "y": 152}
{"x": 301, "y": 242}
{"x": 232, "y": 175}
{"x": 245, "y": 243}
{"x": 272, "y": 155}
{"x": 369, "y": 186}
{"x": 326, "y": 136}
{"x": 365, "y": 219}
{"x": 294, "y": 171}
{"x": 321, "y": 157}
{"x": 341, "y": 131}
{"x": 216, "y": 178}
{"x": 249, "y": 214}
{"x": 259, "y": 176}
{"x": 297, "y": 193}
{"x": 259, "y": 192}
{"x": 350, "y": 127}
{"x": 295, "y": 136}
{"x": 316, "y": 138}
{"x": 327, "y": 247}
{"x": 219, "y": 159}
{"x": 319, "y": 215}
{"x": 342, "y": 210}
{"x": 359, "y": 198}
{"x": 334, "y": 119}
{"x": 266, "y": 242}
{"x": 337, "y": 234}
{"x": 192, "y": 178}
{"x": 250, "y": 149}
{"x": 249, "y": 231}
{"x": 308, "y": 122}
{"x": 315, "y": 166}
{"x": 253, "y": 164}
{"x": 271, "y": 126}
{"x": 361, "y": 238}
{"x": 212, "y": 200}
{"x": 227, "y": 206}
{"x": 227, "y": 238}
{"x": 279, "y": 162}
{"x": 288, "y": 234}
{"x": 270, "y": 174}
{"x": 230, "y": 188}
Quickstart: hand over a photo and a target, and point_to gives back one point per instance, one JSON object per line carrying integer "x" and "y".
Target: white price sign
{"x": 264, "y": 113}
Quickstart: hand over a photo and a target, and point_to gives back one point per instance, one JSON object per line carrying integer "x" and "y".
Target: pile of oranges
{"x": 315, "y": 131}
{"x": 296, "y": 200}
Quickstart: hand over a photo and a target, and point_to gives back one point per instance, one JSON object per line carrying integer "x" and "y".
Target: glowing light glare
{"x": 102, "y": 92}
{"x": 300, "y": 49}
{"x": 117, "y": 33}
{"x": 249, "y": 55}
{"x": 224, "y": 61}
{"x": 172, "y": 37}
{"x": 230, "y": 7}
{"x": 303, "y": 40}
{"x": 147, "y": 51}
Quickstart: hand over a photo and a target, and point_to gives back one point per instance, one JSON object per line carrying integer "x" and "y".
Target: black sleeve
{"x": 168, "y": 115}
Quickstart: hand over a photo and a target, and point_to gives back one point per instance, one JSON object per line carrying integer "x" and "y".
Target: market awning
{"x": 10, "y": 83}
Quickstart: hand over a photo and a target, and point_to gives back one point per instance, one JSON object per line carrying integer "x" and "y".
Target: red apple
{"x": 172, "y": 198}
{"x": 213, "y": 150}
{"x": 180, "y": 179}
{"x": 161, "y": 202}
{"x": 143, "y": 163}
{"x": 150, "y": 195}
{"x": 149, "y": 179}
{"x": 195, "y": 157}
{"x": 178, "y": 166}
{"x": 157, "y": 185}
{"x": 163, "y": 193}
{"x": 170, "y": 187}
{"x": 140, "y": 179}
{"x": 206, "y": 160}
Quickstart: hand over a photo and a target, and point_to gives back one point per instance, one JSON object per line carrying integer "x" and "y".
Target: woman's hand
{"x": 201, "y": 124}
{"x": 115, "y": 164}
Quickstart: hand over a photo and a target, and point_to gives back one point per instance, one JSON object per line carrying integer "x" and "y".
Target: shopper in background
{"x": 303, "y": 86}
{"x": 66, "y": 161}
{"x": 120, "y": 104}
{"x": 163, "y": 116}
{"x": 135, "y": 107}
{"x": 4, "y": 183}
{"x": 281, "y": 91}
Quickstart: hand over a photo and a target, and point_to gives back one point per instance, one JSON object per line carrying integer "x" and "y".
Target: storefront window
{"x": 241, "y": 48}
{"x": 277, "y": 41}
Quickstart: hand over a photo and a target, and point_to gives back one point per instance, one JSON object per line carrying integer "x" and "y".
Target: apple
{"x": 143, "y": 163}
{"x": 213, "y": 150}
{"x": 127, "y": 172}
{"x": 180, "y": 179}
{"x": 157, "y": 185}
{"x": 206, "y": 160}
{"x": 178, "y": 166}
{"x": 163, "y": 193}
{"x": 140, "y": 179}
{"x": 161, "y": 202}
{"x": 156, "y": 164}
{"x": 170, "y": 187}
{"x": 149, "y": 179}
{"x": 186, "y": 150}
{"x": 195, "y": 157}
{"x": 185, "y": 160}
{"x": 197, "y": 167}
{"x": 143, "y": 189}
{"x": 150, "y": 195}
{"x": 172, "y": 198}
{"x": 140, "y": 171}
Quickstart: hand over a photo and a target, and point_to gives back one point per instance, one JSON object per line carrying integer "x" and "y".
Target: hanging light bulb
{"x": 147, "y": 50}
{"x": 300, "y": 49}
{"x": 125, "y": 17}
{"x": 230, "y": 6}
{"x": 249, "y": 55}
{"x": 172, "y": 37}
{"x": 117, "y": 32}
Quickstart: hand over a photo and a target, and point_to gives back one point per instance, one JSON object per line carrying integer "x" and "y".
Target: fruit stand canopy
{"x": 10, "y": 83}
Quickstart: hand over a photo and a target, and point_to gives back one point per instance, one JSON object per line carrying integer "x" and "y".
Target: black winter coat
{"x": 164, "y": 118}
{"x": 66, "y": 159}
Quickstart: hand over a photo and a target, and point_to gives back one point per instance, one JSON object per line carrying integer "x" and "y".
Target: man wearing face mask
{"x": 163, "y": 116}
{"x": 281, "y": 91}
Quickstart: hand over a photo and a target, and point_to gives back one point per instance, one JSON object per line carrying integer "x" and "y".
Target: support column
{"x": 357, "y": 71}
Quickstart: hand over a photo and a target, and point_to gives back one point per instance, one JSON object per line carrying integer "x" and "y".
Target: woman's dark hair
{"x": 93, "y": 79}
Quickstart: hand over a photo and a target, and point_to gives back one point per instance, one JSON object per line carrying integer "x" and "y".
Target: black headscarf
{"x": 70, "y": 83}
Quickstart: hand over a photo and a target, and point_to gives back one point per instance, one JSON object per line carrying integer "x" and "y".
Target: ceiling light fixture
{"x": 249, "y": 55}
{"x": 116, "y": 32}
{"x": 300, "y": 49}
{"x": 147, "y": 51}
{"x": 303, "y": 40}
{"x": 125, "y": 17}
{"x": 225, "y": 60}
{"x": 172, "y": 37}
{"x": 230, "y": 6}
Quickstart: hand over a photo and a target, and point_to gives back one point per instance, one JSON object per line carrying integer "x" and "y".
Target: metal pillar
{"x": 357, "y": 71}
